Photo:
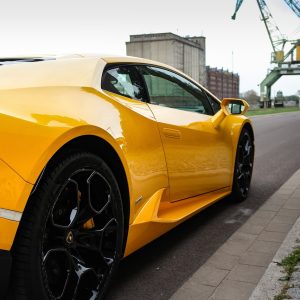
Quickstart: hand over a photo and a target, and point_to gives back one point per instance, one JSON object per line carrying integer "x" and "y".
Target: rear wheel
{"x": 70, "y": 238}
{"x": 243, "y": 166}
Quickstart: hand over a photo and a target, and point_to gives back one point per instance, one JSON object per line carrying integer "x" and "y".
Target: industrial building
{"x": 222, "y": 83}
{"x": 186, "y": 54}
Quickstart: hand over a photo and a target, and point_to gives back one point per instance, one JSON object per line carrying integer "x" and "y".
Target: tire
{"x": 243, "y": 167}
{"x": 69, "y": 241}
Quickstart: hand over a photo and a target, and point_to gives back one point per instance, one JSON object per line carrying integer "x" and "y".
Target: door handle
{"x": 171, "y": 133}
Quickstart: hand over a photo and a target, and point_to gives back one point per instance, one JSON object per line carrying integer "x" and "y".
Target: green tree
{"x": 251, "y": 97}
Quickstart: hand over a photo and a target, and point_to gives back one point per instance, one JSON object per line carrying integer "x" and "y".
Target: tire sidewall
{"x": 236, "y": 194}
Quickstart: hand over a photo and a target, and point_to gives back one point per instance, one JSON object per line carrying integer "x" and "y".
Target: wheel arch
{"x": 101, "y": 148}
{"x": 248, "y": 126}
{"x": 236, "y": 133}
{"x": 235, "y": 195}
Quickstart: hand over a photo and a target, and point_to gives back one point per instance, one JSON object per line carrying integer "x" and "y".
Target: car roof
{"x": 105, "y": 57}
{"x": 70, "y": 70}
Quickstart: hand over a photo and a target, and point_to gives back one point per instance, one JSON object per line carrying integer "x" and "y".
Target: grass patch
{"x": 288, "y": 263}
{"x": 267, "y": 111}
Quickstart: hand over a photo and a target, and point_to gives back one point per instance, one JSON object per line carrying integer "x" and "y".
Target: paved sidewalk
{"x": 272, "y": 282}
{"x": 234, "y": 270}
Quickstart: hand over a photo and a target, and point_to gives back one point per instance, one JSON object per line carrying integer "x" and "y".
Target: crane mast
{"x": 276, "y": 38}
{"x": 294, "y": 5}
{"x": 287, "y": 63}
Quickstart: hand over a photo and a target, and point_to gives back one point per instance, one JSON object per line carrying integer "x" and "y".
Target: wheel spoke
{"x": 74, "y": 281}
{"x": 95, "y": 235}
{"x": 97, "y": 246}
{"x": 53, "y": 238}
{"x": 65, "y": 209}
{"x": 99, "y": 197}
{"x": 248, "y": 156}
{"x": 88, "y": 284}
{"x": 241, "y": 176}
{"x": 109, "y": 241}
{"x": 98, "y": 200}
{"x": 58, "y": 268}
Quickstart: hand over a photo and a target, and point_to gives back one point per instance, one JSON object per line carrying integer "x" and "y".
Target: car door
{"x": 145, "y": 156}
{"x": 198, "y": 156}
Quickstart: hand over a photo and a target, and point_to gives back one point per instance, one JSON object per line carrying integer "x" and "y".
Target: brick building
{"x": 222, "y": 83}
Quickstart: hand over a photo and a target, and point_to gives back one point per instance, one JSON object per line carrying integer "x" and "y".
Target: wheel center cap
{"x": 70, "y": 237}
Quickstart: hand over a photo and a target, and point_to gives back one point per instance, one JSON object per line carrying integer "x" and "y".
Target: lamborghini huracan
{"x": 98, "y": 157}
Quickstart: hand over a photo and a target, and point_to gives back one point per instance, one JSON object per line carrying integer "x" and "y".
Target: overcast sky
{"x": 95, "y": 26}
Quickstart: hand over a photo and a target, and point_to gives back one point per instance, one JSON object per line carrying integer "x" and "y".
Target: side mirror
{"x": 229, "y": 106}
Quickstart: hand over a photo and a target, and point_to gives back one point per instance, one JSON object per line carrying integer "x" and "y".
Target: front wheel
{"x": 70, "y": 239}
{"x": 243, "y": 166}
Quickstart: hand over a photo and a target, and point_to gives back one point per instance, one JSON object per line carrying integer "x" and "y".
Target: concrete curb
{"x": 270, "y": 285}
{"x": 235, "y": 269}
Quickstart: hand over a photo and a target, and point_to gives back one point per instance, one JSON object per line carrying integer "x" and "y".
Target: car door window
{"x": 123, "y": 80}
{"x": 169, "y": 89}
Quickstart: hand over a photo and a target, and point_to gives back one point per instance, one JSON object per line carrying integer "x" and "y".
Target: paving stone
{"x": 285, "y": 219}
{"x": 272, "y": 236}
{"x": 235, "y": 247}
{"x": 264, "y": 247}
{"x": 256, "y": 258}
{"x": 242, "y": 236}
{"x": 278, "y": 227}
{"x": 257, "y": 220}
{"x": 232, "y": 289}
{"x": 193, "y": 291}
{"x": 209, "y": 275}
{"x": 246, "y": 273}
{"x": 289, "y": 212}
{"x": 294, "y": 200}
{"x": 222, "y": 260}
{"x": 294, "y": 182}
{"x": 267, "y": 214}
{"x": 297, "y": 189}
{"x": 292, "y": 204}
{"x": 251, "y": 228}
{"x": 271, "y": 207}
{"x": 281, "y": 197}
{"x": 286, "y": 190}
{"x": 296, "y": 193}
{"x": 276, "y": 201}
{"x": 294, "y": 185}
{"x": 290, "y": 185}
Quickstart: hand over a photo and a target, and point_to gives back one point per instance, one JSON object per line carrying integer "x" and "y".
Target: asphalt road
{"x": 160, "y": 268}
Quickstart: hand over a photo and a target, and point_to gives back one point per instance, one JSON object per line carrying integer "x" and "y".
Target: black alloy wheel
{"x": 243, "y": 166}
{"x": 75, "y": 224}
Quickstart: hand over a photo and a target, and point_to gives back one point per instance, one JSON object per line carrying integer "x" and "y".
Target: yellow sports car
{"x": 98, "y": 157}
